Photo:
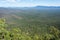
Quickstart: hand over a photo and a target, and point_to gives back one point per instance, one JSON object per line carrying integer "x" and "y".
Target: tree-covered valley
{"x": 30, "y": 23}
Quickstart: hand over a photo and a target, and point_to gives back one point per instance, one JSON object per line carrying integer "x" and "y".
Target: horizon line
{"x": 30, "y": 6}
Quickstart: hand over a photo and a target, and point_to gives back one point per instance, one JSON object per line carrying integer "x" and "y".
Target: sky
{"x": 28, "y": 3}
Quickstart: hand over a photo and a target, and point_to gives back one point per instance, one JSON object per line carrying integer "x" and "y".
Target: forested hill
{"x": 44, "y": 14}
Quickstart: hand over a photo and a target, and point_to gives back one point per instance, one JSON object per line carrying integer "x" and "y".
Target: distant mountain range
{"x": 33, "y": 7}
{"x": 6, "y": 10}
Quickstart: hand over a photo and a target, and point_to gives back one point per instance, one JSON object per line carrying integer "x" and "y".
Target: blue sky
{"x": 28, "y": 3}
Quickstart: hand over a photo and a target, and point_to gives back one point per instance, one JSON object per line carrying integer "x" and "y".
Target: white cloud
{"x": 7, "y": 0}
{"x": 11, "y": 0}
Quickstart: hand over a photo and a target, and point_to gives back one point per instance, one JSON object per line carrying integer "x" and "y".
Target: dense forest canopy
{"x": 30, "y": 23}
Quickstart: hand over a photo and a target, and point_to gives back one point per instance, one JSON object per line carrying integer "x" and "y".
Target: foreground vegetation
{"x": 17, "y": 34}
